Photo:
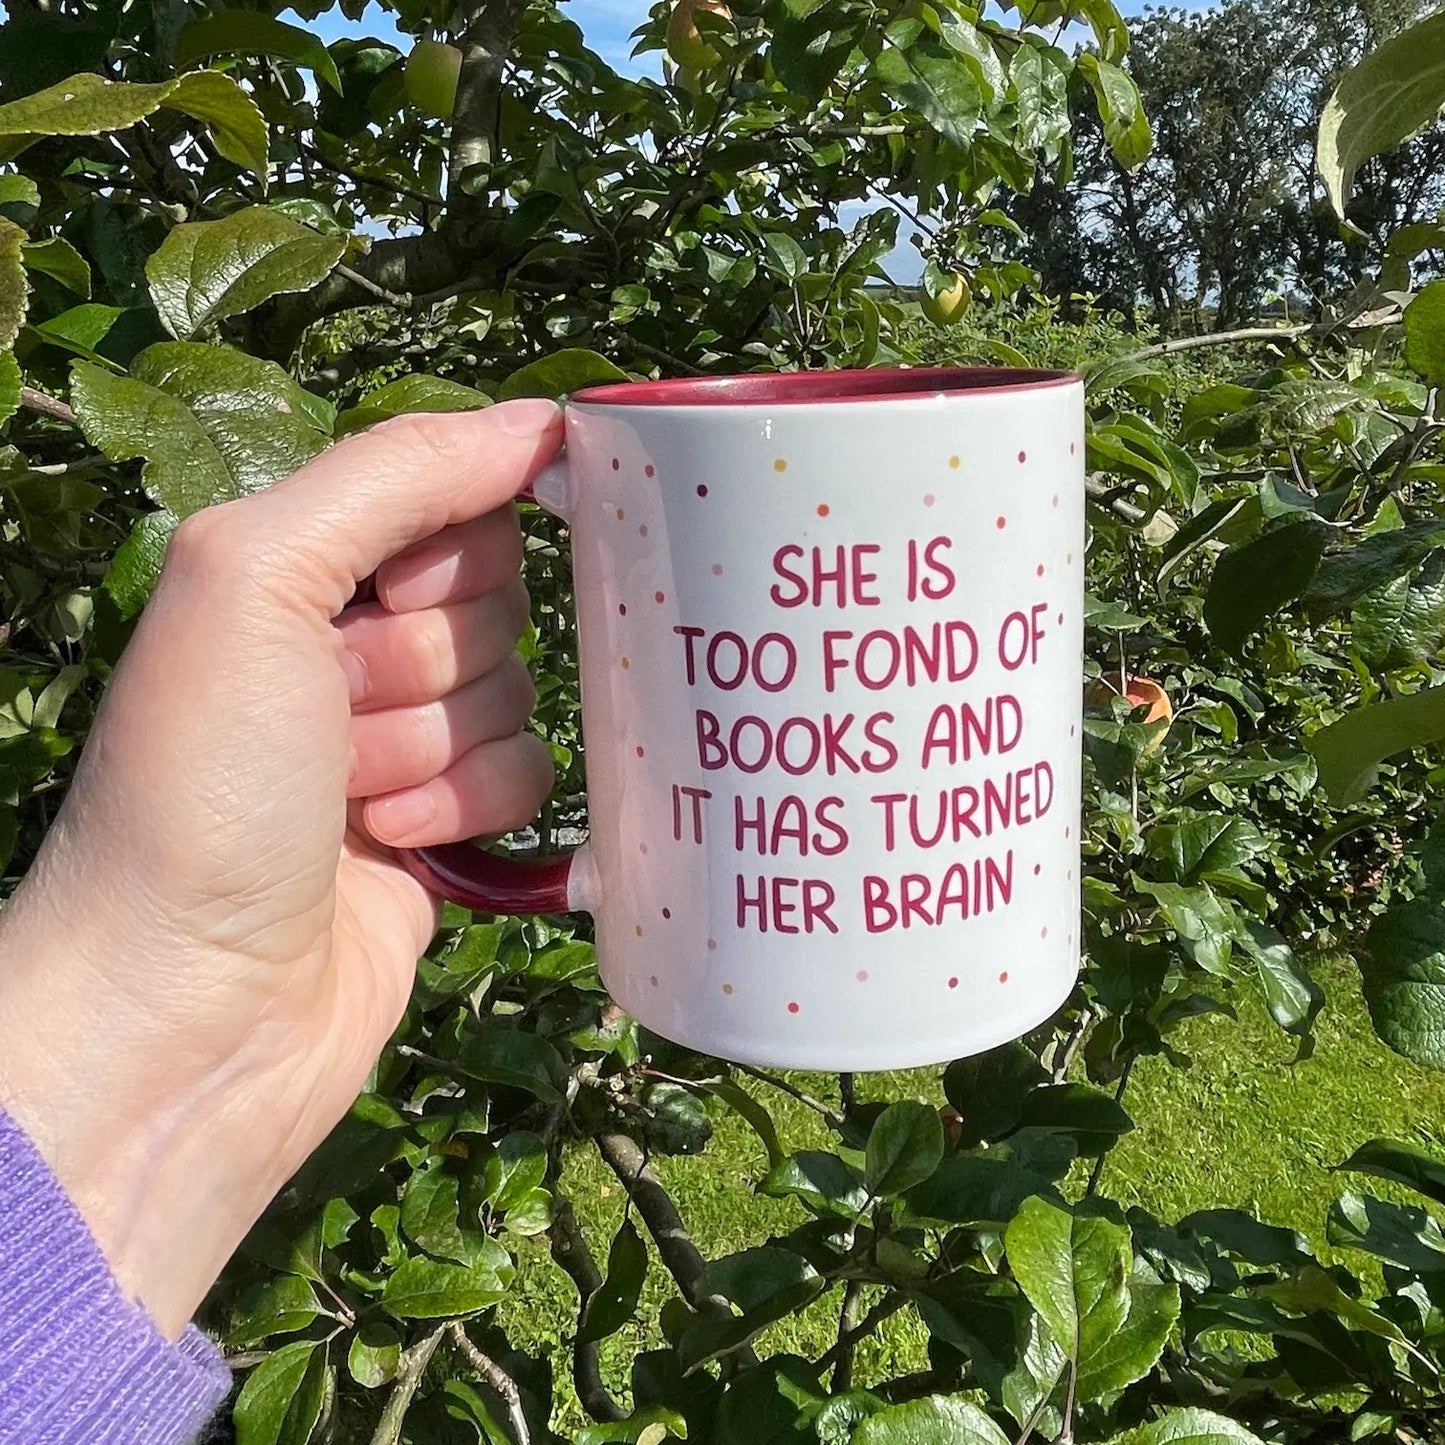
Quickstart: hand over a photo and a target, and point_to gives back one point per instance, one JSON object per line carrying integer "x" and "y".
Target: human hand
{"x": 213, "y": 944}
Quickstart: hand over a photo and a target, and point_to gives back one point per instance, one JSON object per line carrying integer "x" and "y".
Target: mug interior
{"x": 814, "y": 387}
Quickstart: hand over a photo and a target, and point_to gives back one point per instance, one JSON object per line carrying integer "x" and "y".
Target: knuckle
{"x": 433, "y": 655}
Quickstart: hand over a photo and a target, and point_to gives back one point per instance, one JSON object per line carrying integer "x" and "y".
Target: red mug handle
{"x": 491, "y": 882}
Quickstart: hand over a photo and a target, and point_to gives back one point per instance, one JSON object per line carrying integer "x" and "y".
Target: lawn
{"x": 1243, "y": 1127}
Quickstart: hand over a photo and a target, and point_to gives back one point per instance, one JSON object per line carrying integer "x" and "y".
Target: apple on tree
{"x": 432, "y": 71}
{"x": 688, "y": 48}
{"x": 946, "y": 306}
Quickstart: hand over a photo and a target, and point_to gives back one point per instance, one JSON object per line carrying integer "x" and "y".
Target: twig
{"x": 1035, "y": 1415}
{"x": 888, "y": 1306}
{"x": 46, "y": 405}
{"x": 663, "y": 358}
{"x": 361, "y": 178}
{"x": 1066, "y": 1430}
{"x": 1100, "y": 492}
{"x": 1097, "y": 1172}
{"x": 1071, "y": 1046}
{"x": 572, "y": 1255}
{"x": 847, "y": 1097}
{"x": 496, "y": 1377}
{"x": 1222, "y": 338}
{"x": 1415, "y": 439}
{"x": 826, "y": 1110}
{"x": 392, "y": 298}
{"x": 408, "y": 1377}
{"x": 847, "y": 1322}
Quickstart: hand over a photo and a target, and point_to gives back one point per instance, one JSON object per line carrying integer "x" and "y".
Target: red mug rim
{"x": 794, "y": 388}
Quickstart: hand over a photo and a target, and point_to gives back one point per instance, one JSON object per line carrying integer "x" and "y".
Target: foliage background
{"x": 223, "y": 243}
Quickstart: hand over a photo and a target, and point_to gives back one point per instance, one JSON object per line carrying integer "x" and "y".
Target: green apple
{"x": 948, "y": 307}
{"x": 685, "y": 44}
{"x": 431, "y": 75}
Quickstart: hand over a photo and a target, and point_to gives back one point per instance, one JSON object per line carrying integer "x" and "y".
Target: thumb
{"x": 332, "y": 523}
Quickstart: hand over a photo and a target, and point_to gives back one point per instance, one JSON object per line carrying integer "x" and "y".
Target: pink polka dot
{"x": 1068, "y": 832}
{"x": 1072, "y": 729}
{"x": 702, "y": 491}
{"x": 1061, "y": 619}
{"x": 653, "y": 980}
{"x": 642, "y": 848}
{"x": 792, "y": 1008}
{"x": 649, "y": 470}
{"x": 1039, "y": 570}
{"x": 641, "y": 752}
{"x": 1003, "y": 977}
{"x": 711, "y": 945}
{"x": 1023, "y": 456}
{"x": 1000, "y": 522}
{"x": 928, "y": 499}
{"x": 861, "y": 975}
{"x": 1056, "y": 501}
{"x": 659, "y": 597}
{"x": 1043, "y": 933}
{"x": 1071, "y": 448}
{"x": 717, "y": 569}
{"x": 1038, "y": 868}
{"x": 953, "y": 983}
{"x": 667, "y": 913}
{"x": 616, "y": 464}
{"x": 642, "y": 530}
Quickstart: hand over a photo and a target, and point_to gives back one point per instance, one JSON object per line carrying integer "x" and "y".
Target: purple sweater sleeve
{"x": 79, "y": 1363}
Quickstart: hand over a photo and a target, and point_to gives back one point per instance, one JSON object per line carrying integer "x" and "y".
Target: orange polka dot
{"x": 823, "y": 509}
{"x": 620, "y": 514}
{"x": 954, "y": 463}
{"x": 727, "y": 988}
{"x": 1003, "y": 977}
{"x": 626, "y": 663}
{"x": 1000, "y": 522}
{"x": 780, "y": 465}
{"x": 637, "y": 929}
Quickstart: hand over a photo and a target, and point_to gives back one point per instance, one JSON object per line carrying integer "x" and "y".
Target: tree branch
{"x": 408, "y": 1377}
{"x": 363, "y": 179}
{"x": 496, "y": 1377}
{"x": 847, "y": 1322}
{"x": 572, "y": 1255}
{"x": 887, "y": 1307}
{"x": 51, "y": 406}
{"x": 827, "y": 1111}
{"x": 1222, "y": 338}
{"x": 402, "y": 300}
{"x": 485, "y": 30}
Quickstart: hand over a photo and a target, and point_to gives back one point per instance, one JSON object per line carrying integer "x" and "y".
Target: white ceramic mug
{"x": 830, "y": 627}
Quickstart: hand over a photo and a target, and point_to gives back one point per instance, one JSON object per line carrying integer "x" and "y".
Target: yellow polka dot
{"x": 780, "y": 465}
{"x": 727, "y": 988}
{"x": 953, "y": 462}
{"x": 638, "y": 930}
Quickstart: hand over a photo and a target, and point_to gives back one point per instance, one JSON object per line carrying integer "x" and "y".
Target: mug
{"x": 830, "y": 629}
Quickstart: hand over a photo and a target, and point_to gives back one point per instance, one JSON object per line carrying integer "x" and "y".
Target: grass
{"x": 1243, "y": 1127}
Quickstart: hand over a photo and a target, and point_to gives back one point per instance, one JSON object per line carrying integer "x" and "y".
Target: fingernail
{"x": 525, "y": 416}
{"x": 396, "y": 818}
{"x": 355, "y": 670}
{"x": 421, "y": 580}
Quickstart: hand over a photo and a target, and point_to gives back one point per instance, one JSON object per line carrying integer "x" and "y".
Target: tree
{"x": 223, "y": 243}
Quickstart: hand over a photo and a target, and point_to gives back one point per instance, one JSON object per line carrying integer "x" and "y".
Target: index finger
{"x": 338, "y": 518}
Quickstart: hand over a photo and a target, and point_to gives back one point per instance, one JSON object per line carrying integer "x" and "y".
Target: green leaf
{"x": 1402, "y": 623}
{"x": 281, "y": 1399}
{"x": 1349, "y": 752}
{"x": 976, "y": 1190}
{"x": 1407, "y": 1165}
{"x": 1245, "y": 1237}
{"x": 1205, "y": 847}
{"x": 496, "y": 1054}
{"x": 649, "y": 1425}
{"x": 1074, "y": 1270}
{"x": 1093, "y": 1118}
{"x": 1206, "y": 924}
{"x": 245, "y": 32}
{"x": 1381, "y": 101}
{"x": 988, "y": 1090}
{"x": 614, "y": 1301}
{"x": 711, "y": 1339}
{"x": 431, "y": 1216}
{"x": 939, "y": 85}
{"x": 374, "y": 1356}
{"x": 1399, "y": 1234}
{"x": 18, "y": 191}
{"x": 1133, "y": 1350}
{"x": 1425, "y": 328}
{"x": 822, "y": 1181}
{"x": 14, "y": 284}
{"x": 516, "y": 1169}
{"x": 560, "y": 374}
{"x": 751, "y": 1277}
{"x": 419, "y": 392}
{"x": 89, "y": 104}
{"x": 1291, "y": 995}
{"x": 1311, "y": 1290}
{"x": 207, "y": 270}
{"x": 1347, "y": 573}
{"x": 904, "y": 1147}
{"x": 1253, "y": 581}
{"x": 1126, "y": 127}
{"x": 423, "y": 1289}
{"x": 1403, "y": 967}
{"x": 282, "y": 1305}
{"x": 133, "y": 570}
{"x": 58, "y": 259}
{"x": 933, "y": 1420}
{"x": 212, "y": 423}
{"x": 1190, "y": 1427}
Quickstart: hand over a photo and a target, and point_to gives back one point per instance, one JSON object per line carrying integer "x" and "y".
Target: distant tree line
{"x": 1228, "y": 217}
